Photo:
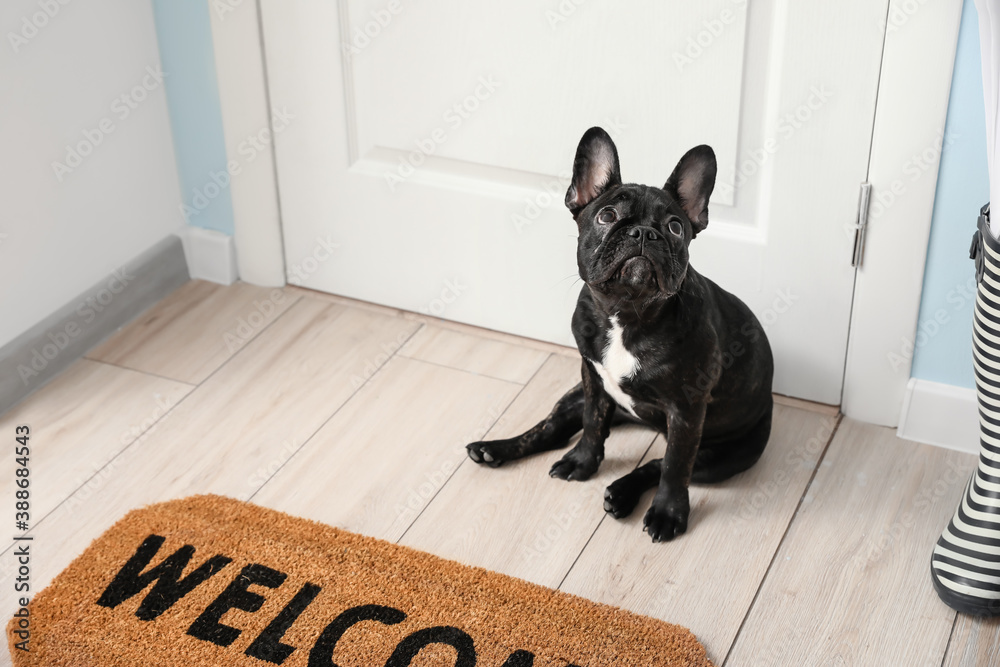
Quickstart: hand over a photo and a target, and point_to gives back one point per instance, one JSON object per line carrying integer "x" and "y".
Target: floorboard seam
{"x": 777, "y": 549}
{"x": 152, "y": 426}
{"x": 459, "y": 466}
{"x": 466, "y": 370}
{"x": 139, "y": 370}
{"x": 537, "y": 344}
{"x": 245, "y": 343}
{"x": 951, "y": 634}
{"x": 334, "y": 413}
{"x": 599, "y": 523}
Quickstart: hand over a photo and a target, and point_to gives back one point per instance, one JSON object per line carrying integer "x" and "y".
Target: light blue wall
{"x": 184, "y": 32}
{"x": 943, "y": 350}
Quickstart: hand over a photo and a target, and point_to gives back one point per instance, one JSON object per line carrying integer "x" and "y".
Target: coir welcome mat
{"x": 210, "y": 581}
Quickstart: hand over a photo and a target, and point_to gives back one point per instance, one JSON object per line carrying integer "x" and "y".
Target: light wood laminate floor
{"x": 356, "y": 415}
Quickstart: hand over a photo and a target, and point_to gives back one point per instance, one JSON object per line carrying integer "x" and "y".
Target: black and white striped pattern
{"x": 965, "y": 566}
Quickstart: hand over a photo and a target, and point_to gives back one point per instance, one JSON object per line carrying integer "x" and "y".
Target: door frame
{"x": 917, "y": 64}
{"x": 249, "y": 128}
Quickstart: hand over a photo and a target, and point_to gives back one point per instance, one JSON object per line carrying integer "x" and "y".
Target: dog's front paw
{"x": 486, "y": 453}
{"x": 621, "y": 497}
{"x": 667, "y": 519}
{"x": 577, "y": 464}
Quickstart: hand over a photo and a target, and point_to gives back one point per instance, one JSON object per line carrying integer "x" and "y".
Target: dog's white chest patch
{"x": 617, "y": 364}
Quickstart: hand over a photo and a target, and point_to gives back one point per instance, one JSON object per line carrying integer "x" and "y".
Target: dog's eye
{"x": 675, "y": 227}
{"x": 607, "y": 216}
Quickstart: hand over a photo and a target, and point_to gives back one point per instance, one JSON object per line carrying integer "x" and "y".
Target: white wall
{"x": 58, "y": 83}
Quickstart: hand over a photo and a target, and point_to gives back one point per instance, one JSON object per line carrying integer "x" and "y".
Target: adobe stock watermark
{"x": 958, "y": 297}
{"x": 556, "y": 527}
{"x": 804, "y": 456}
{"x": 286, "y": 450}
{"x": 562, "y": 12}
{"x": 788, "y": 125}
{"x": 32, "y": 24}
{"x": 298, "y": 273}
{"x": 553, "y": 192}
{"x": 224, "y": 8}
{"x": 781, "y": 304}
{"x": 452, "y": 289}
{"x": 712, "y": 30}
{"x": 248, "y": 149}
{"x": 102, "y": 471}
{"x": 418, "y": 497}
{"x": 372, "y": 365}
{"x": 362, "y": 36}
{"x": 900, "y": 13}
{"x": 955, "y": 474}
{"x": 750, "y": 335}
{"x": 248, "y": 325}
{"x": 87, "y": 311}
{"x": 913, "y": 169}
{"x": 121, "y": 108}
{"x": 454, "y": 118}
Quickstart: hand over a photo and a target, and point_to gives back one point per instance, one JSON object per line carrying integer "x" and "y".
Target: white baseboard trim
{"x": 210, "y": 255}
{"x": 940, "y": 414}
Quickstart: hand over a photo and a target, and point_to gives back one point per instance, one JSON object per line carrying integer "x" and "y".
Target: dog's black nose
{"x": 640, "y": 231}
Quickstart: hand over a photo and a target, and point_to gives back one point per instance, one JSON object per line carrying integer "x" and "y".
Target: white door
{"x": 429, "y": 144}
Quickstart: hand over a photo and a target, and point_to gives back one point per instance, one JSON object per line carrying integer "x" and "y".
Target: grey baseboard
{"x": 49, "y": 347}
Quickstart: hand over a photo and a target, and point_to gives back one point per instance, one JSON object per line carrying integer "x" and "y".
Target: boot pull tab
{"x": 976, "y": 251}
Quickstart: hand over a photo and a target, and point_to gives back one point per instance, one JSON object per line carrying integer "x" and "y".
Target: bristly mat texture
{"x": 210, "y": 581}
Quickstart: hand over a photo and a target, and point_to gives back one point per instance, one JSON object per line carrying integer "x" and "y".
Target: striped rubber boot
{"x": 965, "y": 565}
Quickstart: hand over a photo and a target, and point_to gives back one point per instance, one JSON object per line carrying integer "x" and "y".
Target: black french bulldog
{"x": 662, "y": 345}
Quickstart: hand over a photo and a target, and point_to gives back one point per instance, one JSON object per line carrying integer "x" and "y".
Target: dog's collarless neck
{"x": 630, "y": 315}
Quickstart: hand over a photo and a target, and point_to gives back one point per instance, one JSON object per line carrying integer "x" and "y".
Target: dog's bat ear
{"x": 595, "y": 169}
{"x": 692, "y": 183}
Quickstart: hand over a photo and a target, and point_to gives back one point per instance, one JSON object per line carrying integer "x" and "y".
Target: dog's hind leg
{"x": 712, "y": 464}
{"x": 716, "y": 463}
{"x": 553, "y": 432}
{"x": 623, "y": 494}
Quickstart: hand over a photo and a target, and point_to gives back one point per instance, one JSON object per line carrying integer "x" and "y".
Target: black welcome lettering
{"x": 520, "y": 659}
{"x": 322, "y": 652}
{"x": 268, "y": 644}
{"x": 169, "y": 587}
{"x": 236, "y": 596}
{"x": 442, "y": 634}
